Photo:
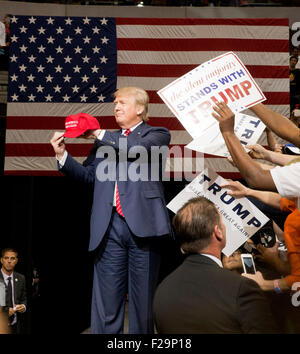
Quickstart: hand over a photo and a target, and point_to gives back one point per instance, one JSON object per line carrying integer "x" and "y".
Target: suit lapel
{"x": 139, "y": 129}
{"x": 136, "y": 134}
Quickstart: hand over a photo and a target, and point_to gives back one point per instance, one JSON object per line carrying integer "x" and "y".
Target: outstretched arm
{"x": 238, "y": 190}
{"x": 259, "y": 152}
{"x": 279, "y": 124}
{"x": 254, "y": 174}
{"x": 267, "y": 285}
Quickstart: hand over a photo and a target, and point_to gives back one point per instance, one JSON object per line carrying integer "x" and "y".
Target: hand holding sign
{"x": 224, "y": 116}
{"x": 192, "y": 96}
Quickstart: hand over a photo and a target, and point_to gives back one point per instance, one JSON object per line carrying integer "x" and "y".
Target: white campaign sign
{"x": 241, "y": 218}
{"x": 247, "y": 128}
{"x": 192, "y": 96}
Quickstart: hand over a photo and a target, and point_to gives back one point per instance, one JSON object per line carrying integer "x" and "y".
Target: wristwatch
{"x": 276, "y": 287}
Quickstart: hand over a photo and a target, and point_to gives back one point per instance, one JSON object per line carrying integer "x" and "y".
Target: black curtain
{"x": 47, "y": 220}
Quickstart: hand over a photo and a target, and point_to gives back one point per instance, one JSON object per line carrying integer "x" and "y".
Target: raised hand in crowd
{"x": 271, "y": 256}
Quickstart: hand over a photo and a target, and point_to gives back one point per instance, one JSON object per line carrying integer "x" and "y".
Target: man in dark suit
{"x": 128, "y": 212}
{"x": 200, "y": 296}
{"x": 15, "y": 289}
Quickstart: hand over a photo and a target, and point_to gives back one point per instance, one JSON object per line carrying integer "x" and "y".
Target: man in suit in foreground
{"x": 200, "y": 296}
{"x": 128, "y": 213}
{"x": 15, "y": 286}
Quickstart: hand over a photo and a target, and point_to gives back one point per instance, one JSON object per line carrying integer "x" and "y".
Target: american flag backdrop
{"x": 67, "y": 65}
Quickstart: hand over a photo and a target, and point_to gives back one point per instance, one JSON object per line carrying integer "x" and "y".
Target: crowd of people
{"x": 200, "y": 287}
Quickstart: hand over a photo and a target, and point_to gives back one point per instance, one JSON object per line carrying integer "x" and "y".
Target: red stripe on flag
{"x": 45, "y": 150}
{"x": 82, "y": 150}
{"x": 201, "y": 44}
{"x": 33, "y": 173}
{"x": 272, "y": 97}
{"x": 203, "y": 21}
{"x": 57, "y": 123}
{"x": 155, "y": 70}
{"x": 178, "y": 175}
{"x": 51, "y": 122}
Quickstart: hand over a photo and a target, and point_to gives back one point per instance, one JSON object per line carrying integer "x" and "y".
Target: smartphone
{"x": 248, "y": 263}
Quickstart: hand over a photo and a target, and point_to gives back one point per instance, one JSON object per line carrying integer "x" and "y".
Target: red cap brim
{"x": 73, "y": 134}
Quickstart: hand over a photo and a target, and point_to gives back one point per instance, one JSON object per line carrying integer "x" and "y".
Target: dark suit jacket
{"x": 19, "y": 283}
{"x": 142, "y": 201}
{"x": 201, "y": 297}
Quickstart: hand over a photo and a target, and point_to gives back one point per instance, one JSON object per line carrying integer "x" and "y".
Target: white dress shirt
{"x": 215, "y": 259}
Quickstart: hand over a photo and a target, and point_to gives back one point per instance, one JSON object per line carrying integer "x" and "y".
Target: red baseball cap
{"x": 77, "y": 124}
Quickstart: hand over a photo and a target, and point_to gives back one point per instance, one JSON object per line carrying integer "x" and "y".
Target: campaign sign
{"x": 241, "y": 217}
{"x": 192, "y": 96}
{"x": 247, "y": 128}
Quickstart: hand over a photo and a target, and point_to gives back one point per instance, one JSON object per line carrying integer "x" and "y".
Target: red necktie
{"x": 118, "y": 203}
{"x": 127, "y": 132}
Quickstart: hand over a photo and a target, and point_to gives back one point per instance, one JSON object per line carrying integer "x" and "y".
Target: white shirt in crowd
{"x": 287, "y": 180}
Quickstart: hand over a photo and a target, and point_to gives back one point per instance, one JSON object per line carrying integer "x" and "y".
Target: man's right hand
{"x": 58, "y": 144}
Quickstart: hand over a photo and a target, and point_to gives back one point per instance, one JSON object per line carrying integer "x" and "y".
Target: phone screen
{"x": 248, "y": 265}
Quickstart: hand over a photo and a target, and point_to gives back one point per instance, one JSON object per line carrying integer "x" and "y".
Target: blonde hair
{"x": 141, "y": 98}
{"x": 295, "y": 160}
